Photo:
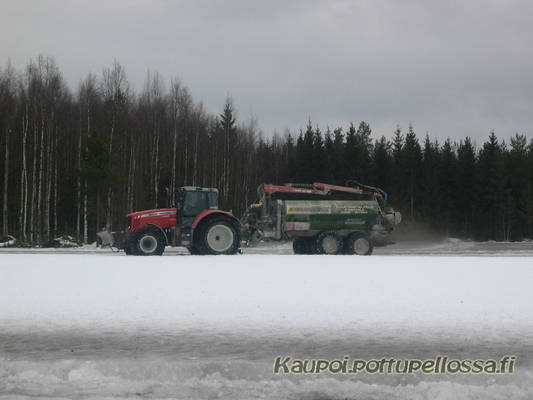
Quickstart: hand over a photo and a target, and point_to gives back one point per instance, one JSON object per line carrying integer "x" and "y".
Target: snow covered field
{"x": 95, "y": 324}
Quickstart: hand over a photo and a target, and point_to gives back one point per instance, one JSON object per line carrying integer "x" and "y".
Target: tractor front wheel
{"x": 149, "y": 242}
{"x": 130, "y": 244}
{"x": 129, "y": 248}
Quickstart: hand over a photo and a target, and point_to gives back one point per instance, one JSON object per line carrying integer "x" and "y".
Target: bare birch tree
{"x": 115, "y": 89}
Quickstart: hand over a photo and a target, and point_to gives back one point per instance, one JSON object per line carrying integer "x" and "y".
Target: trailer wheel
{"x": 299, "y": 246}
{"x": 149, "y": 242}
{"x": 358, "y": 243}
{"x": 328, "y": 242}
{"x": 304, "y": 245}
{"x": 219, "y": 236}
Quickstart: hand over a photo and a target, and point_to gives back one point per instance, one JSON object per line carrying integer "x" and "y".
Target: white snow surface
{"x": 258, "y": 290}
{"x": 97, "y": 324}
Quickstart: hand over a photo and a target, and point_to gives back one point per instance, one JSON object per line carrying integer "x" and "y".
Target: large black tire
{"x": 359, "y": 243}
{"x": 218, "y": 235}
{"x": 194, "y": 251}
{"x": 149, "y": 242}
{"x": 129, "y": 245}
{"x": 328, "y": 242}
{"x": 304, "y": 245}
{"x": 129, "y": 248}
{"x": 299, "y": 246}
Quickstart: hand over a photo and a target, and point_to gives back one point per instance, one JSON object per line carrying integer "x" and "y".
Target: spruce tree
{"x": 517, "y": 187}
{"x": 430, "y": 188}
{"x": 329, "y": 154}
{"x": 382, "y": 165}
{"x": 318, "y": 170}
{"x": 339, "y": 170}
{"x": 364, "y": 150}
{"x": 466, "y": 196}
{"x": 398, "y": 174}
{"x": 299, "y": 170}
{"x": 447, "y": 184}
{"x": 350, "y": 154}
{"x": 289, "y": 167}
{"x": 490, "y": 210}
{"x": 358, "y": 151}
{"x": 411, "y": 160}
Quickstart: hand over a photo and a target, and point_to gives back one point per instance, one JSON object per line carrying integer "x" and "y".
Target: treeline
{"x": 76, "y": 161}
{"x": 455, "y": 188}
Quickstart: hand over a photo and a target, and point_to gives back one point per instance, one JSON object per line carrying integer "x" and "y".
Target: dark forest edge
{"x": 74, "y": 162}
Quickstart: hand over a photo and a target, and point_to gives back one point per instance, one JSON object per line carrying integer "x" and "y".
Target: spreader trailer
{"x": 320, "y": 218}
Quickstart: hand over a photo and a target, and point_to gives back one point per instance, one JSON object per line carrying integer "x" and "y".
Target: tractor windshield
{"x": 195, "y": 203}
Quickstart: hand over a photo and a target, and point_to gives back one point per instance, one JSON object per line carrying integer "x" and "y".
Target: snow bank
{"x": 7, "y": 241}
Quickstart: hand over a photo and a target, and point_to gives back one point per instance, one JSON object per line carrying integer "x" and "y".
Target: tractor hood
{"x": 151, "y": 213}
{"x": 161, "y": 217}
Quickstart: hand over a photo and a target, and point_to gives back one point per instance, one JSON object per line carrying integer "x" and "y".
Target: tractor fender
{"x": 206, "y": 213}
{"x": 161, "y": 230}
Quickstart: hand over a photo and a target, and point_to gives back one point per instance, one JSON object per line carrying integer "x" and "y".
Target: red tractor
{"x": 196, "y": 223}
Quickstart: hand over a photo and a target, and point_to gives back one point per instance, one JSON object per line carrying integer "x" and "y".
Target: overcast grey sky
{"x": 452, "y": 68}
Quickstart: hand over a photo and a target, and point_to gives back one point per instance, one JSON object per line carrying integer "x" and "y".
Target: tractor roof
{"x": 198, "y": 189}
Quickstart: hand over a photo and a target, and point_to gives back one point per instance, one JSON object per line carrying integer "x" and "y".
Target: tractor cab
{"x": 193, "y": 201}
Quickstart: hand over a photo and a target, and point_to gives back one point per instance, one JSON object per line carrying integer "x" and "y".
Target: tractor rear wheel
{"x": 194, "y": 251}
{"x": 328, "y": 242}
{"x": 219, "y": 235}
{"x": 359, "y": 243}
{"x": 149, "y": 242}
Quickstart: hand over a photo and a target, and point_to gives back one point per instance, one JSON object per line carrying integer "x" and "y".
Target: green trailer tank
{"x": 321, "y": 218}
